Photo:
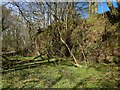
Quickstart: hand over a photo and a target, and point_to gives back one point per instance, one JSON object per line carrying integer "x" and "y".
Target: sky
{"x": 82, "y": 9}
{"x": 81, "y": 6}
{"x": 57, "y": 0}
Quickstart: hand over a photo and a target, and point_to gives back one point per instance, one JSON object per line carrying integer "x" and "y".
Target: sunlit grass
{"x": 65, "y": 75}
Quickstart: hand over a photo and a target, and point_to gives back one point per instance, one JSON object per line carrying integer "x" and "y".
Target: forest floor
{"x": 62, "y": 75}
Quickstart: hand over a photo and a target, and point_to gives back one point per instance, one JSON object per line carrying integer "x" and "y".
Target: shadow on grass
{"x": 26, "y": 65}
{"x": 54, "y": 82}
{"x": 6, "y": 62}
{"x": 12, "y": 63}
{"x": 81, "y": 83}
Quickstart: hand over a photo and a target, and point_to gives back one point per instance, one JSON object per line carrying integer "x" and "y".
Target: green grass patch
{"x": 64, "y": 75}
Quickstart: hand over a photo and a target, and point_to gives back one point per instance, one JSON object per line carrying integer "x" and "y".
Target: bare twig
{"x": 82, "y": 50}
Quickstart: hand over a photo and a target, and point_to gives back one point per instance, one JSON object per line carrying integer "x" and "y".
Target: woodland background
{"x": 64, "y": 31}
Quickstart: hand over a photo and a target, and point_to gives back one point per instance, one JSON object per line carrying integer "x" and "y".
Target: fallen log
{"x": 10, "y": 53}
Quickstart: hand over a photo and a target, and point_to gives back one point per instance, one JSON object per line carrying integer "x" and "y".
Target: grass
{"x": 65, "y": 75}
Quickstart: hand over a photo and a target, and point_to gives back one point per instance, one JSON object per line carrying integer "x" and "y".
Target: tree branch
{"x": 76, "y": 63}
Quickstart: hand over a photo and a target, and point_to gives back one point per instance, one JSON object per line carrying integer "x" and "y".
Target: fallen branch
{"x": 76, "y": 64}
{"x": 5, "y": 58}
{"x": 11, "y": 53}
